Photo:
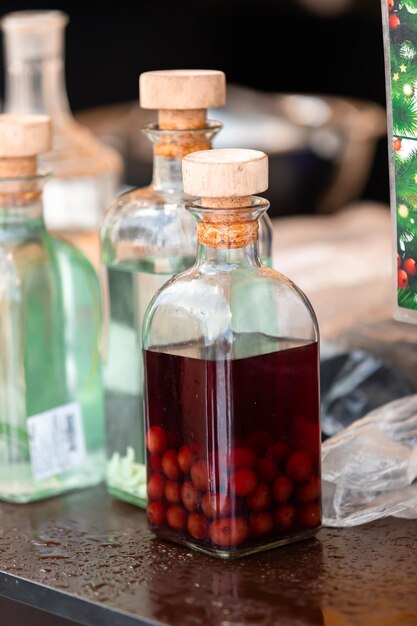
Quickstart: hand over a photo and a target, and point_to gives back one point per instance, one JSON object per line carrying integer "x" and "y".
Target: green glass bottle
{"x": 51, "y": 405}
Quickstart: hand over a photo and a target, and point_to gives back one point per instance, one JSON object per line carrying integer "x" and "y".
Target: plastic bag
{"x": 369, "y": 470}
{"x": 353, "y": 384}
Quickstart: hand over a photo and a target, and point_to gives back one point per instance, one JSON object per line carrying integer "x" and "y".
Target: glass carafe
{"x": 232, "y": 388}
{"x": 86, "y": 173}
{"x": 51, "y": 400}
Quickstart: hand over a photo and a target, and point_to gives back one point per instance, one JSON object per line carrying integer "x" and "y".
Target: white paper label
{"x": 56, "y": 440}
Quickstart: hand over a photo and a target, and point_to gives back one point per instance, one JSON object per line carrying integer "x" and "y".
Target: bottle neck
{"x": 228, "y": 236}
{"x": 167, "y": 174}
{"x": 170, "y": 147}
{"x": 21, "y": 209}
{"x": 245, "y": 256}
{"x": 35, "y": 81}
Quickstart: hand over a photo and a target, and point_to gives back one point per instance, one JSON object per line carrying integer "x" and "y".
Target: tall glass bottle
{"x": 147, "y": 236}
{"x": 51, "y": 404}
{"x": 86, "y": 173}
{"x": 232, "y": 385}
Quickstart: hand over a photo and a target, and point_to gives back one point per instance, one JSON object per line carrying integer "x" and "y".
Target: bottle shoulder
{"x": 216, "y": 303}
{"x": 78, "y": 153}
{"x": 141, "y": 202}
{"x": 143, "y": 223}
{"x": 46, "y": 259}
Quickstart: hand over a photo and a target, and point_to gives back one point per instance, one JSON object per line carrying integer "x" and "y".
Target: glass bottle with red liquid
{"x": 232, "y": 380}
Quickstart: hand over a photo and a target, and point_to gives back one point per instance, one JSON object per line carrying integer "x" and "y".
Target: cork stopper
{"x": 227, "y": 173}
{"x": 182, "y": 97}
{"x": 22, "y": 138}
{"x": 226, "y": 179}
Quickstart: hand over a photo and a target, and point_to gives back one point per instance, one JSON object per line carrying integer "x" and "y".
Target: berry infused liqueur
{"x": 233, "y": 445}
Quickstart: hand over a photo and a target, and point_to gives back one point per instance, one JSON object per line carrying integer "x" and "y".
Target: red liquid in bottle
{"x": 233, "y": 448}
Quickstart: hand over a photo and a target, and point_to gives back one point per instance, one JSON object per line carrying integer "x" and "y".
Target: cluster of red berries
{"x": 393, "y": 20}
{"x": 407, "y": 268}
{"x": 226, "y": 499}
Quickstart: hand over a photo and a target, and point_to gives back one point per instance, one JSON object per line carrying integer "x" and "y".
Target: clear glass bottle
{"x": 147, "y": 236}
{"x": 51, "y": 399}
{"x": 86, "y": 173}
{"x": 231, "y": 380}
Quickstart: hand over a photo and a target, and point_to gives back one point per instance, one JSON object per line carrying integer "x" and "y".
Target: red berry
{"x": 397, "y": 144}
{"x": 199, "y": 475}
{"x": 390, "y": 5}
{"x": 266, "y": 469}
{"x": 170, "y": 465}
{"x": 216, "y": 504}
{"x": 394, "y": 21}
{"x": 243, "y": 482}
{"x": 229, "y": 532}
{"x": 156, "y": 440}
{"x": 402, "y": 279}
{"x": 172, "y": 492}
{"x": 259, "y": 441}
{"x": 156, "y": 486}
{"x": 261, "y": 524}
{"x": 309, "y": 515}
{"x": 197, "y": 526}
{"x": 260, "y": 499}
{"x": 279, "y": 451}
{"x": 155, "y": 463}
{"x": 285, "y": 516}
{"x": 186, "y": 457}
{"x": 309, "y": 491}
{"x": 241, "y": 458}
{"x": 190, "y": 497}
{"x": 399, "y": 261}
{"x": 410, "y": 267}
{"x": 282, "y": 489}
{"x": 156, "y": 513}
{"x": 299, "y": 466}
{"x": 176, "y": 517}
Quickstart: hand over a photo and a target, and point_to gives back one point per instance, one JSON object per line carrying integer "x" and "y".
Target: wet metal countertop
{"x": 91, "y": 559}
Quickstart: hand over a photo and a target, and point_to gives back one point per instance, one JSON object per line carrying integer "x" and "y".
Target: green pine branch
{"x": 408, "y": 22}
{"x": 409, "y": 77}
{"x": 405, "y": 180}
{"x": 404, "y": 115}
{"x": 407, "y": 298}
{"x": 410, "y": 4}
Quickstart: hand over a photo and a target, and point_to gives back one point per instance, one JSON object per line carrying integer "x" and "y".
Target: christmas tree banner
{"x": 400, "y": 40}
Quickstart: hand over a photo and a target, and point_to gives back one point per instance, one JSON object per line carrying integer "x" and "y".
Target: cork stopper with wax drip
{"x": 225, "y": 180}
{"x": 182, "y": 98}
{"x": 22, "y": 139}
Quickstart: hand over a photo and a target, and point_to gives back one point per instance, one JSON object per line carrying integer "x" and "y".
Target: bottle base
{"x": 125, "y": 496}
{"x": 24, "y": 489}
{"x": 238, "y": 553}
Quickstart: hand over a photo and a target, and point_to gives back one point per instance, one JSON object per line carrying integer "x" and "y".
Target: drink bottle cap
{"x": 225, "y": 173}
{"x": 182, "y": 89}
{"x": 22, "y": 138}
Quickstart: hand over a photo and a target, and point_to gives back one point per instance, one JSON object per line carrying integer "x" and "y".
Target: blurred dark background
{"x": 304, "y": 46}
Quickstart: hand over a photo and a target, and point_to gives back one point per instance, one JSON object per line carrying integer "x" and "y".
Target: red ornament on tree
{"x": 394, "y": 21}
{"x": 390, "y": 5}
{"x": 397, "y": 144}
{"x": 410, "y": 266}
{"x": 402, "y": 279}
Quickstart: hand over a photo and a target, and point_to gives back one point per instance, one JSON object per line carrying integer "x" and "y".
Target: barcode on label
{"x": 56, "y": 440}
